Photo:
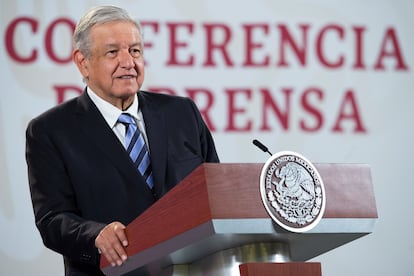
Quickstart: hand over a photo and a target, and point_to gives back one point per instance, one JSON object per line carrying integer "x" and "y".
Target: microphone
{"x": 261, "y": 146}
{"x": 193, "y": 150}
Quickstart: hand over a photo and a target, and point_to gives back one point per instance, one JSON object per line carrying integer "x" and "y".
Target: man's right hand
{"x": 111, "y": 242}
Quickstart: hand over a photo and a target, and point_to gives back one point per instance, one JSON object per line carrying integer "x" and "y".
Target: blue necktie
{"x": 136, "y": 148}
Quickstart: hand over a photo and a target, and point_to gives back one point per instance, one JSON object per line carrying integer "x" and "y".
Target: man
{"x": 85, "y": 188}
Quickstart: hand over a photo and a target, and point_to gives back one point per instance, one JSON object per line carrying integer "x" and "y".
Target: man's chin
{"x": 126, "y": 93}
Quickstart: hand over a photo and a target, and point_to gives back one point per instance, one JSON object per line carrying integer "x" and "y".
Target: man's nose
{"x": 126, "y": 60}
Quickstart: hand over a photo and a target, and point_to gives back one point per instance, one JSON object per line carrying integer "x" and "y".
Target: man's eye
{"x": 135, "y": 52}
{"x": 111, "y": 52}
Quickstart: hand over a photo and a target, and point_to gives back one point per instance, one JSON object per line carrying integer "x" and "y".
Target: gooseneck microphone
{"x": 261, "y": 146}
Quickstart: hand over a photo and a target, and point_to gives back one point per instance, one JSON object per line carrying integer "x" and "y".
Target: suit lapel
{"x": 94, "y": 126}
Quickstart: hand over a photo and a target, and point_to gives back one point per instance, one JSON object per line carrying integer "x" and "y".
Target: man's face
{"x": 115, "y": 69}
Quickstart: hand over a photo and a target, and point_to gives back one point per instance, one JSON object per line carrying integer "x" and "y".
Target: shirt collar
{"x": 109, "y": 111}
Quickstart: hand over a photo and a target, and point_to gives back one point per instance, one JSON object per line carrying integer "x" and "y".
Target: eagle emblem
{"x": 292, "y": 191}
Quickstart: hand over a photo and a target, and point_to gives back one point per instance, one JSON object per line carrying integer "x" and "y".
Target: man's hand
{"x": 111, "y": 242}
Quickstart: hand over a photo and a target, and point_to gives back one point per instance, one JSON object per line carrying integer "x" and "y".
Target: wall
{"x": 331, "y": 80}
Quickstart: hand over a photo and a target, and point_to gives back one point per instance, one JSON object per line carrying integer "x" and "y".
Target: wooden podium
{"x": 214, "y": 223}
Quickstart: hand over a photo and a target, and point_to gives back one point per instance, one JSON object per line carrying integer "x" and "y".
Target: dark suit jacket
{"x": 81, "y": 177}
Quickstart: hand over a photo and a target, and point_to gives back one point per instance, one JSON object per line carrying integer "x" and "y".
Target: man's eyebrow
{"x": 114, "y": 45}
{"x": 139, "y": 43}
{"x": 111, "y": 45}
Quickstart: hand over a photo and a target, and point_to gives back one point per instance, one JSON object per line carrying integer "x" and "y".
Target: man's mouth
{"x": 127, "y": 77}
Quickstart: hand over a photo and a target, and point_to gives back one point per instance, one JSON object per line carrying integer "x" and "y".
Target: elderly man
{"x": 99, "y": 160}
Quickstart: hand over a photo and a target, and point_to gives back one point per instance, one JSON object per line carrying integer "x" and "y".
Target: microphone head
{"x": 260, "y": 145}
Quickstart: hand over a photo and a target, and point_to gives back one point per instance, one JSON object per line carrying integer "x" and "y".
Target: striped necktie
{"x": 136, "y": 148}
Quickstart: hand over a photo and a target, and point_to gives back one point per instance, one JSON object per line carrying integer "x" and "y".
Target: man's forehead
{"x": 116, "y": 26}
{"x": 111, "y": 34}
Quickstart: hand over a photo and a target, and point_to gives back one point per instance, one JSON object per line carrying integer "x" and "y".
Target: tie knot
{"x": 125, "y": 118}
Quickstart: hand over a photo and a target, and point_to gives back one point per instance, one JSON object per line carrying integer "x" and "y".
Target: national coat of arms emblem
{"x": 292, "y": 191}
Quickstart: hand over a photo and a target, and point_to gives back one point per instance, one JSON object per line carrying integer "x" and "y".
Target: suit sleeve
{"x": 54, "y": 203}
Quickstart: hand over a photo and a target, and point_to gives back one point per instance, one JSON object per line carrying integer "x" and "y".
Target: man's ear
{"x": 81, "y": 62}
